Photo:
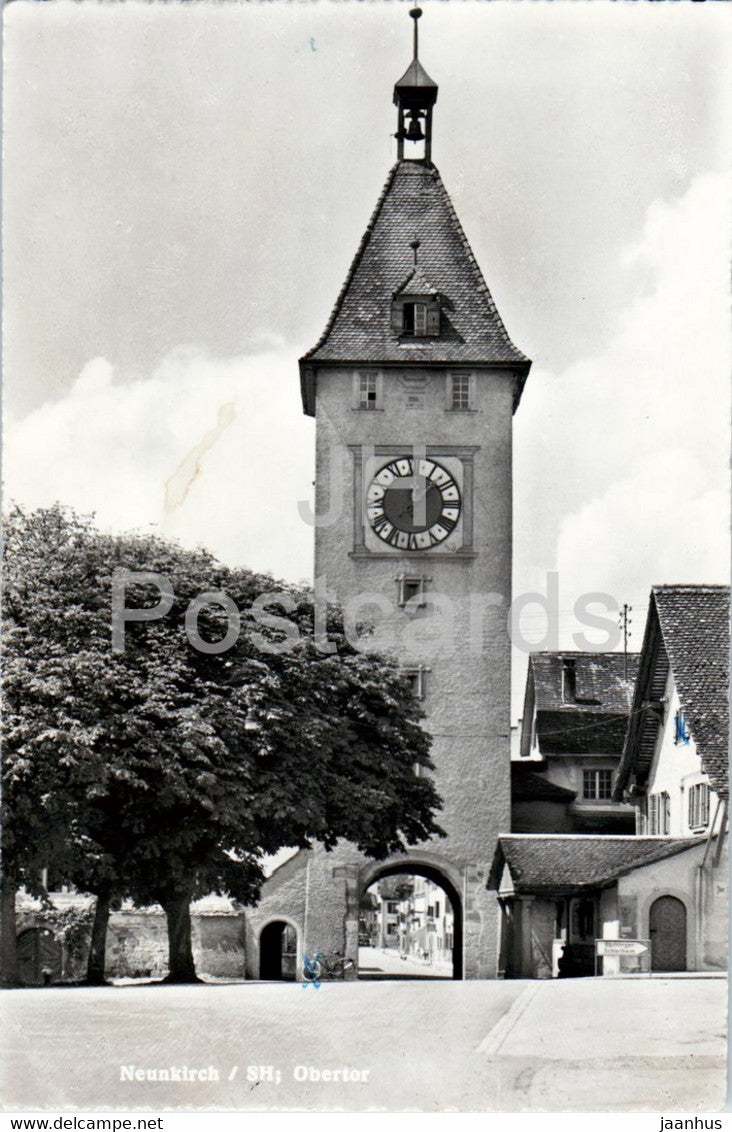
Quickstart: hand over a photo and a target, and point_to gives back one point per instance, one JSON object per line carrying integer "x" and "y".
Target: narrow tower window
{"x": 368, "y": 391}
{"x": 415, "y": 678}
{"x": 460, "y": 391}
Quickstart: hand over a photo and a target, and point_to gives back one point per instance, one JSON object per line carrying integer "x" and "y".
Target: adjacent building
{"x": 575, "y": 717}
{"x": 660, "y": 894}
{"x": 675, "y": 759}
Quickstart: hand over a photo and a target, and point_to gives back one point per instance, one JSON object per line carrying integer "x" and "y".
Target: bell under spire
{"x": 415, "y": 94}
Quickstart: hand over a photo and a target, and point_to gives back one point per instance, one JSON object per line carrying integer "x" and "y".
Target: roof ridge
{"x": 355, "y": 262}
{"x": 581, "y": 652}
{"x": 702, "y": 587}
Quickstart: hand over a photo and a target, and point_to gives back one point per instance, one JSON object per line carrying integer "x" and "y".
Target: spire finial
{"x": 415, "y": 13}
{"x": 414, "y": 245}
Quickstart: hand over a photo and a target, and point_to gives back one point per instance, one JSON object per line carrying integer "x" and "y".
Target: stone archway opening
{"x": 410, "y": 925}
{"x": 278, "y": 951}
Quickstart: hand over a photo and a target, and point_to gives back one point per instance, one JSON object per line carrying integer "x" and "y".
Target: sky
{"x": 185, "y": 186}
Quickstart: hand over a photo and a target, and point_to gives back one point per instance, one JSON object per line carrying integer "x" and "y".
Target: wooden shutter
{"x": 433, "y": 319}
{"x": 397, "y": 316}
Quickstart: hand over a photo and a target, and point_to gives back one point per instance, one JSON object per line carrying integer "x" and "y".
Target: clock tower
{"x": 413, "y": 385}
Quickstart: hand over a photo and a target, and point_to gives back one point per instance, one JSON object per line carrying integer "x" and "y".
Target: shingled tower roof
{"x": 414, "y": 204}
{"x": 687, "y": 631}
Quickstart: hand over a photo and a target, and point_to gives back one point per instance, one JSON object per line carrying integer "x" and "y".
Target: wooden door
{"x": 667, "y": 929}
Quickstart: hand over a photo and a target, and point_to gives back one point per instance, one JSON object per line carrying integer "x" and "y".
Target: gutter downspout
{"x": 710, "y": 834}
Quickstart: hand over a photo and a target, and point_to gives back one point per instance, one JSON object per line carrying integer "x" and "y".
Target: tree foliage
{"x": 162, "y": 771}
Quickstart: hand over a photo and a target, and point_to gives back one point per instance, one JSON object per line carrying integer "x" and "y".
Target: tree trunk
{"x": 8, "y": 945}
{"x": 181, "y": 968}
{"x": 98, "y": 947}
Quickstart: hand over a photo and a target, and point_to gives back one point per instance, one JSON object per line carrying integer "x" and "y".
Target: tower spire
{"x": 414, "y": 95}
{"x": 415, "y": 13}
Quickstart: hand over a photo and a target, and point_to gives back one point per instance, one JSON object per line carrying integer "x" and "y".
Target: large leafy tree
{"x": 163, "y": 771}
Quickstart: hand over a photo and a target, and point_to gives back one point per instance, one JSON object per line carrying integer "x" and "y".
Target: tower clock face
{"x": 413, "y": 504}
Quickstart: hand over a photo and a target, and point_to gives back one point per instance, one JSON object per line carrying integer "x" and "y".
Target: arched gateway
{"x": 413, "y": 386}
{"x": 378, "y": 871}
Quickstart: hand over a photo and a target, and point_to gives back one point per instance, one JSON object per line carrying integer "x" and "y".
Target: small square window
{"x": 410, "y": 591}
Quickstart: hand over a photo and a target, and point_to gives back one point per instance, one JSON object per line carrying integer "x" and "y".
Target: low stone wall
{"x": 137, "y": 946}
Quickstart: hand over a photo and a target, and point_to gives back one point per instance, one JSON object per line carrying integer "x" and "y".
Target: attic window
{"x": 416, "y": 316}
{"x": 681, "y": 728}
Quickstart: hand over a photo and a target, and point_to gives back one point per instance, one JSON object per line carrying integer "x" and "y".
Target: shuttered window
{"x": 699, "y": 806}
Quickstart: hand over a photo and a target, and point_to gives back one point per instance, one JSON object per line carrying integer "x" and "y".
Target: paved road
{"x": 383, "y": 962}
{"x": 631, "y": 1044}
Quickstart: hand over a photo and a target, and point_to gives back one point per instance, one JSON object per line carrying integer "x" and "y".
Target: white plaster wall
{"x": 676, "y": 767}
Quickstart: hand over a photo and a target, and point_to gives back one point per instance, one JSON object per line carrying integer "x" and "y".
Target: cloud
{"x": 224, "y": 442}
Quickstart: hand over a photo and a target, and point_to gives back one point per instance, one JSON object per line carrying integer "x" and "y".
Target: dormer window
{"x": 416, "y": 316}
{"x": 569, "y": 680}
{"x": 415, "y": 308}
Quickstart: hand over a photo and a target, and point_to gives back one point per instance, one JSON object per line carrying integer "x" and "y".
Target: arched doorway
{"x": 667, "y": 929}
{"x": 278, "y": 951}
{"x": 410, "y": 924}
{"x": 40, "y": 958}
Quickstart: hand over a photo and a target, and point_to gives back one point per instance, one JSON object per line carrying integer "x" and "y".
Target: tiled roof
{"x": 414, "y": 204}
{"x": 568, "y": 863}
{"x": 600, "y": 680}
{"x": 416, "y": 283}
{"x": 688, "y": 631}
{"x": 593, "y": 719}
{"x": 527, "y": 784}
{"x": 695, "y": 626}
